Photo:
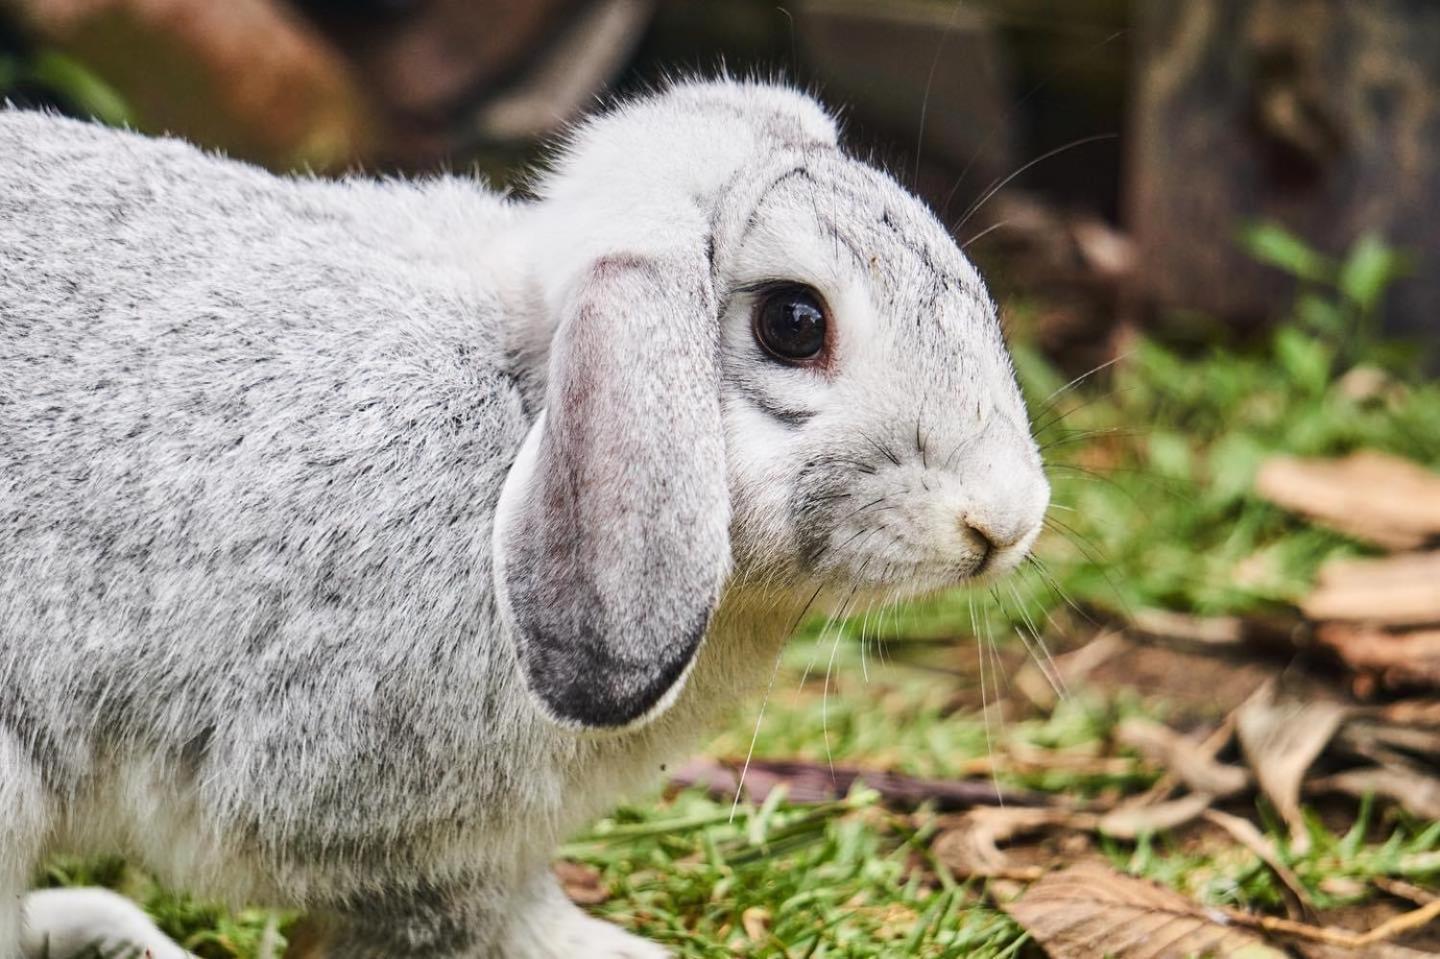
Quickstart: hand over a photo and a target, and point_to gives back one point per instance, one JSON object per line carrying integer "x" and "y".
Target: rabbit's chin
{"x": 900, "y": 581}
{"x": 838, "y": 595}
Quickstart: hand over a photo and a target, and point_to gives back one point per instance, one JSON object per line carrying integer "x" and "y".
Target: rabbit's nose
{"x": 992, "y": 536}
{"x": 989, "y": 535}
{"x": 981, "y": 536}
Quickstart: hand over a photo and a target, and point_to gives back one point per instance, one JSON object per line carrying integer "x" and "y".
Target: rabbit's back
{"x": 251, "y": 434}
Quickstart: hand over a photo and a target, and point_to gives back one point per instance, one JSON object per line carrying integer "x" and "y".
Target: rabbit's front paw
{"x": 605, "y": 941}
{"x": 68, "y": 923}
{"x": 560, "y": 930}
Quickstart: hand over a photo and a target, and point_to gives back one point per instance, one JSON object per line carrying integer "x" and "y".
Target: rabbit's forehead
{"x": 833, "y": 219}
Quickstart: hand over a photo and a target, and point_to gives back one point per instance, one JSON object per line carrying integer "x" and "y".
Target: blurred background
{"x": 1134, "y": 140}
{"x": 1213, "y": 228}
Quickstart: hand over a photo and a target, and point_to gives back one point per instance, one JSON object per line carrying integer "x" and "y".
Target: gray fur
{"x": 253, "y": 438}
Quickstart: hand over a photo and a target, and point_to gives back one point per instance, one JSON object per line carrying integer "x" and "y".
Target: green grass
{"x": 834, "y": 880}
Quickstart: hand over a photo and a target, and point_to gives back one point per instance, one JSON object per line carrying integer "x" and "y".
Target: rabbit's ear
{"x": 612, "y": 534}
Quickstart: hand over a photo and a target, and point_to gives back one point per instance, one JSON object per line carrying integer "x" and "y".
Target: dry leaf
{"x": 1371, "y": 496}
{"x": 1206, "y": 632}
{"x": 1371, "y": 739}
{"x": 1210, "y": 634}
{"x": 1188, "y": 760}
{"x": 756, "y": 922}
{"x": 1408, "y": 712}
{"x": 1090, "y": 910}
{"x": 972, "y": 845}
{"x": 1130, "y": 822}
{"x": 1106, "y": 250}
{"x": 1397, "y": 660}
{"x": 581, "y": 883}
{"x": 1392, "y": 591}
{"x": 1417, "y": 792}
{"x": 1280, "y": 742}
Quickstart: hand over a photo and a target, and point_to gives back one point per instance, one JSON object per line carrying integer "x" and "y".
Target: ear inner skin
{"x": 618, "y": 549}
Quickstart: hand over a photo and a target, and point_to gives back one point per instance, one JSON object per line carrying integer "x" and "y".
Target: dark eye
{"x": 790, "y": 324}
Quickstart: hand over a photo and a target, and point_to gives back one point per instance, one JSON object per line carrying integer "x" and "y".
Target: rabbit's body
{"x": 220, "y": 647}
{"x": 304, "y": 601}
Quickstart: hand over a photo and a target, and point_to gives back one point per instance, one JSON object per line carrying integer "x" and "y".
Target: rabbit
{"x": 362, "y": 539}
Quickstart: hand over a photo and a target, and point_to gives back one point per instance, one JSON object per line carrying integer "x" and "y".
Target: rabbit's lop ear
{"x": 612, "y": 534}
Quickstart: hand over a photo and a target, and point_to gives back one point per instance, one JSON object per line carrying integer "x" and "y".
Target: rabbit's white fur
{"x": 253, "y": 431}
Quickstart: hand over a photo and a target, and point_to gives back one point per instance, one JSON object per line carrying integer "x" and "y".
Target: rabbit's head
{"x": 770, "y": 365}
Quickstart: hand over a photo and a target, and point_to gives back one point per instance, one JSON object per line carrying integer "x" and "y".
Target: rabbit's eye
{"x": 790, "y": 325}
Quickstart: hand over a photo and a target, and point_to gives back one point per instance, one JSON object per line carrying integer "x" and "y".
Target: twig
{"x": 1403, "y": 923}
{"x": 1243, "y": 831}
{"x": 1210, "y": 747}
{"x": 1401, "y": 889}
{"x": 1006, "y": 873}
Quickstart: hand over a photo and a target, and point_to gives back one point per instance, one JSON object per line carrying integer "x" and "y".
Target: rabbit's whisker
{"x": 1003, "y": 183}
{"x": 882, "y": 449}
{"x": 1039, "y": 566}
{"x": 1072, "y": 437}
{"x": 1008, "y": 114}
{"x": 929, "y": 84}
{"x": 1052, "y": 416}
{"x": 1091, "y": 552}
{"x": 1035, "y": 644}
{"x": 765, "y": 701}
{"x": 1060, "y": 391}
{"x": 829, "y": 667}
{"x": 965, "y": 244}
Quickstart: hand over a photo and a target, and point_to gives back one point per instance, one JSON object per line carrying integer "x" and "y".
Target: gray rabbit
{"x": 361, "y": 540}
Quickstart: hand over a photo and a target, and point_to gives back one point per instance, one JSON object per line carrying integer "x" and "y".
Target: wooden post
{"x": 1321, "y": 115}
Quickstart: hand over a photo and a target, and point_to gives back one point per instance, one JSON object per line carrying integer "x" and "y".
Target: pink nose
{"x": 983, "y": 537}
{"x": 990, "y": 535}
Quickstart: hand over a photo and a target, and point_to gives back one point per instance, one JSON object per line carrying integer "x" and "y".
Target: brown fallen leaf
{"x": 1399, "y": 590}
{"x": 1384, "y": 742}
{"x": 1280, "y": 742}
{"x": 581, "y": 883}
{"x": 1371, "y": 496}
{"x": 1195, "y": 632}
{"x": 1408, "y": 712}
{"x": 1188, "y": 760}
{"x": 972, "y": 845}
{"x": 1394, "y": 659}
{"x": 1131, "y": 822}
{"x": 1023, "y": 757}
{"x": 756, "y": 922}
{"x": 1415, "y": 791}
{"x": 1217, "y": 634}
{"x": 1090, "y": 910}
